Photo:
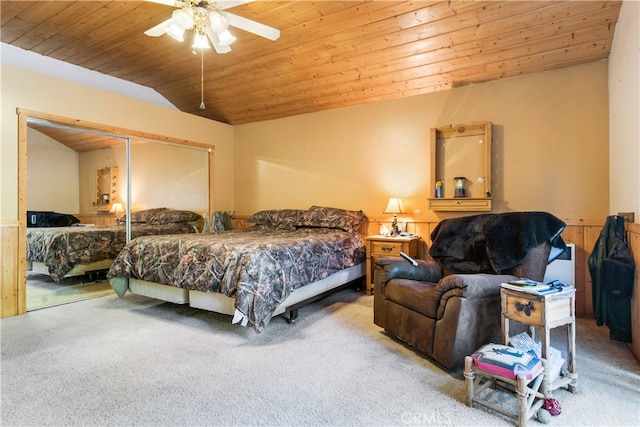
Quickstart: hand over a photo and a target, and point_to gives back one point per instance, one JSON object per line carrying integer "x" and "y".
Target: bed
{"x": 288, "y": 258}
{"x": 67, "y": 251}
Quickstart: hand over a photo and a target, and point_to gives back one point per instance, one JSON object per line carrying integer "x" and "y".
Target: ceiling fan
{"x": 210, "y": 22}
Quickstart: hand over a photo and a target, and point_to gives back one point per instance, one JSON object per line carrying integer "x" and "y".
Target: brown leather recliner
{"x": 447, "y": 314}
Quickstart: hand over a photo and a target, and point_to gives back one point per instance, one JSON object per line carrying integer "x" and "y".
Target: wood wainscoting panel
{"x": 240, "y": 223}
{"x": 575, "y": 235}
{"x": 96, "y": 218}
{"x": 581, "y": 232}
{"x": 591, "y": 234}
{"x": 633, "y": 238}
{"x": 12, "y": 301}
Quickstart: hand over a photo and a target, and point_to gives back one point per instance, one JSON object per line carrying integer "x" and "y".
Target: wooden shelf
{"x": 461, "y": 204}
{"x": 461, "y": 151}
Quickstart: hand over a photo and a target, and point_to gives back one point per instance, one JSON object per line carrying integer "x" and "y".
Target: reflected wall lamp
{"x": 117, "y": 209}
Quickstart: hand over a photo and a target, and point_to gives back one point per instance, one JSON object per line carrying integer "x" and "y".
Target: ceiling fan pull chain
{"x": 202, "y": 79}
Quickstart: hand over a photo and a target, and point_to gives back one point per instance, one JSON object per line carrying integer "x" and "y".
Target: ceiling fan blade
{"x": 213, "y": 38}
{"x": 228, "y": 4}
{"x": 253, "y": 26}
{"x": 158, "y": 30}
{"x": 172, "y": 3}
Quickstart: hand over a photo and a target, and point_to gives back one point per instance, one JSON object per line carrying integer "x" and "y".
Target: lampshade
{"x": 183, "y": 18}
{"x": 116, "y": 208}
{"x": 217, "y": 22}
{"x": 200, "y": 41}
{"x": 395, "y": 206}
{"x": 225, "y": 38}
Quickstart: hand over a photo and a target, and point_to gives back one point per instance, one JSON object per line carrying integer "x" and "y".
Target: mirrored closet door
{"x": 98, "y": 178}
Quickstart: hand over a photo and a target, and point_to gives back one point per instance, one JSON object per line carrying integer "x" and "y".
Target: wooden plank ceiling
{"x": 77, "y": 138}
{"x": 330, "y": 54}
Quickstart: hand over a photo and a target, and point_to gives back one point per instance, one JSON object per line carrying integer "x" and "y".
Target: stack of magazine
{"x": 524, "y": 342}
{"x": 531, "y": 286}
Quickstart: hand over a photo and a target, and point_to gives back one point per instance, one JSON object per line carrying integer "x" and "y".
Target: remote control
{"x": 408, "y": 258}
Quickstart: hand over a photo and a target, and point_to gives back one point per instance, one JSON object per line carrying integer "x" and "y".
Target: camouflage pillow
{"x": 319, "y": 216}
{"x": 171, "y": 216}
{"x": 278, "y": 218}
{"x": 144, "y": 215}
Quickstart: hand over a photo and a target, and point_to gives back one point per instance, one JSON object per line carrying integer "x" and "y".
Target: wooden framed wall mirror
{"x": 460, "y": 158}
{"x": 106, "y": 188}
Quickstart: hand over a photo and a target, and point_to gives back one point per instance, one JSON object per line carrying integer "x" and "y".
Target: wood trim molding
{"x": 111, "y": 130}
{"x": 10, "y": 298}
{"x": 21, "y": 280}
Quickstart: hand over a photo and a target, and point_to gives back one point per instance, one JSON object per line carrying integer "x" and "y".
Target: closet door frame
{"x": 24, "y": 116}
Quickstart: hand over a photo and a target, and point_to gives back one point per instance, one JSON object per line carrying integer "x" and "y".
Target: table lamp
{"x": 117, "y": 209}
{"x": 395, "y": 206}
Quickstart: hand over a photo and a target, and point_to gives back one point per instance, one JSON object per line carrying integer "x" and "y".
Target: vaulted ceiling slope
{"x": 330, "y": 54}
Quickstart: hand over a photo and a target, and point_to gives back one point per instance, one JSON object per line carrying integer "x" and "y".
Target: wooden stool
{"x": 527, "y": 392}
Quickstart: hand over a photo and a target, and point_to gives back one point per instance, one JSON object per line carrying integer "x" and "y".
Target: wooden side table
{"x": 544, "y": 312}
{"x": 381, "y": 246}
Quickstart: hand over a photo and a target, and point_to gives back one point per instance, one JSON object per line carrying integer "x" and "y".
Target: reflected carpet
{"x": 43, "y": 292}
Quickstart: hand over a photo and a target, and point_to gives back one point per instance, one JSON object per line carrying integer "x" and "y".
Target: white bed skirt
{"x": 220, "y": 303}
{"x": 158, "y": 291}
{"x": 78, "y": 270}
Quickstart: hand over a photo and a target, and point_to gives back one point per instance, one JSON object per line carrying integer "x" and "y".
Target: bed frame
{"x": 220, "y": 303}
{"x": 77, "y": 270}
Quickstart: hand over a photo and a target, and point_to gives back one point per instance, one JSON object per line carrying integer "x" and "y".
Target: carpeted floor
{"x": 140, "y": 362}
{"x": 43, "y": 292}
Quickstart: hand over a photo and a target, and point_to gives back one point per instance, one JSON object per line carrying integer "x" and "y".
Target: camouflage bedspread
{"x": 62, "y": 248}
{"x": 259, "y": 266}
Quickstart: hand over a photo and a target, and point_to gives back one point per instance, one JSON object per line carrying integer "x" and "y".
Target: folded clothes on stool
{"x": 507, "y": 361}
{"x": 524, "y": 342}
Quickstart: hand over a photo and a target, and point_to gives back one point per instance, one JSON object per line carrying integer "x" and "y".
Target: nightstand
{"x": 544, "y": 312}
{"x": 381, "y": 246}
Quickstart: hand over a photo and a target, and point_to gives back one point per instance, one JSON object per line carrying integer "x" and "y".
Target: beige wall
{"x": 37, "y": 92}
{"x": 52, "y": 175}
{"x": 550, "y": 148}
{"x": 624, "y": 93}
{"x": 162, "y": 175}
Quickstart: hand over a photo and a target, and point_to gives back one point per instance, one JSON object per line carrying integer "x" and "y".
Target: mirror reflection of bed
{"x": 47, "y": 232}
{"x": 61, "y": 178}
{"x": 71, "y": 258}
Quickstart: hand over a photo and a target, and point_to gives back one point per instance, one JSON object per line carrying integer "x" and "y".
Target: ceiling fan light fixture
{"x": 200, "y": 41}
{"x": 210, "y": 20}
{"x": 217, "y": 22}
{"x": 183, "y": 18}
{"x": 225, "y": 38}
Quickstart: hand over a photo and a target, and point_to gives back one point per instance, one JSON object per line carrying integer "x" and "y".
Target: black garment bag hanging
{"x": 612, "y": 271}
